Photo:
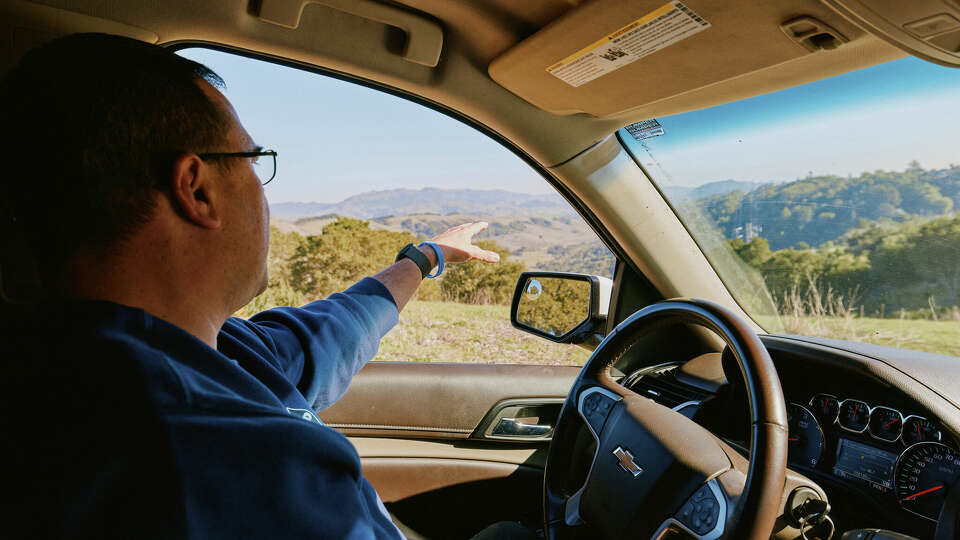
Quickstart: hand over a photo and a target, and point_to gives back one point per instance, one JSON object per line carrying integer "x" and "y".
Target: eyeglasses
{"x": 265, "y": 169}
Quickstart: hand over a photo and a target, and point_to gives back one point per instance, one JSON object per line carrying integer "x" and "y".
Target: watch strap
{"x": 411, "y": 252}
{"x": 440, "y": 261}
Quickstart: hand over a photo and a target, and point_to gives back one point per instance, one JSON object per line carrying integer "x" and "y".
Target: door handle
{"x": 514, "y": 427}
{"x": 520, "y": 420}
{"x": 424, "y": 35}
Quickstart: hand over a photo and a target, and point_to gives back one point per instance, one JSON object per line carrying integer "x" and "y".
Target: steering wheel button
{"x": 700, "y": 512}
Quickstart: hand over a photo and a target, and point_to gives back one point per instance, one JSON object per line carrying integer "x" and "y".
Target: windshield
{"x": 828, "y": 209}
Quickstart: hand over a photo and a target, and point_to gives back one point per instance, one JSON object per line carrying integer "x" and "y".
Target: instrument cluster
{"x": 880, "y": 422}
{"x": 877, "y": 446}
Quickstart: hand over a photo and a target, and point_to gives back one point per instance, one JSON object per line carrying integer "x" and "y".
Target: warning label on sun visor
{"x": 644, "y": 36}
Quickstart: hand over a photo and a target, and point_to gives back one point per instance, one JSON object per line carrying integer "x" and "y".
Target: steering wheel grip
{"x": 757, "y": 508}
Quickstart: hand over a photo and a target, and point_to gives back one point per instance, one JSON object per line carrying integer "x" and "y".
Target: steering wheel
{"x": 654, "y": 470}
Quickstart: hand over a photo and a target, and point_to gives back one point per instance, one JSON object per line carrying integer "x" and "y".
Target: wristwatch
{"x": 411, "y": 252}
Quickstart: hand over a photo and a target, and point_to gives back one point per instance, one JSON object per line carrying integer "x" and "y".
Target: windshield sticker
{"x": 654, "y": 31}
{"x": 645, "y": 129}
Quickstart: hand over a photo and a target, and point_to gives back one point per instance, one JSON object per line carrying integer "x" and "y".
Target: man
{"x": 134, "y": 405}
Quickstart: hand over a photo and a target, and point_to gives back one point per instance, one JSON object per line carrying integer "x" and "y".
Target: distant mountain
{"x": 402, "y": 202}
{"x": 538, "y": 242}
{"x": 680, "y": 193}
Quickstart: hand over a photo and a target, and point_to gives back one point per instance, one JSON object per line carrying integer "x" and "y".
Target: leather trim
{"x": 368, "y": 447}
{"x": 437, "y": 401}
{"x": 400, "y": 428}
{"x": 399, "y": 478}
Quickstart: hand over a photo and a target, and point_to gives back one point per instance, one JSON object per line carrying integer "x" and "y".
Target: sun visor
{"x": 608, "y": 56}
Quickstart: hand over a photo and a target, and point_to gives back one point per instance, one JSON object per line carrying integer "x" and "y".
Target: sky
{"x": 881, "y": 117}
{"x": 336, "y": 139}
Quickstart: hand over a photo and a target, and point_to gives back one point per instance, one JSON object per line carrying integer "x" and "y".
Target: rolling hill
{"x": 402, "y": 202}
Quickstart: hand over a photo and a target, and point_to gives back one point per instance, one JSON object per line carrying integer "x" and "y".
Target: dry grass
{"x": 816, "y": 312}
{"x": 451, "y": 332}
{"x": 825, "y": 313}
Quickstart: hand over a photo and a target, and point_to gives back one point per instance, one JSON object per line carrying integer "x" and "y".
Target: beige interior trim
{"x": 386, "y": 427}
{"x": 56, "y": 21}
{"x": 438, "y": 400}
{"x": 369, "y": 447}
{"x": 25, "y": 25}
{"x": 396, "y": 479}
{"x": 424, "y": 36}
{"x": 743, "y": 36}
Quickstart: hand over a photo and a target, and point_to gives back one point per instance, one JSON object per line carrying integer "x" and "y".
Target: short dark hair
{"x": 92, "y": 124}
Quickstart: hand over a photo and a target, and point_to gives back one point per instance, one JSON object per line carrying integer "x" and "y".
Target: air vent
{"x": 662, "y": 386}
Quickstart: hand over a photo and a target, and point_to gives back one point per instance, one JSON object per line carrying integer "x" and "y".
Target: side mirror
{"x": 561, "y": 306}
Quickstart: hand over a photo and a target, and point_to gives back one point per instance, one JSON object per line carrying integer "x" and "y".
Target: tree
{"x": 935, "y": 253}
{"x": 754, "y": 253}
{"x": 345, "y": 252}
{"x": 478, "y": 282}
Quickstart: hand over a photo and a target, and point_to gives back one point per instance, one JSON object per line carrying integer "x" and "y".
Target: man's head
{"x": 100, "y": 132}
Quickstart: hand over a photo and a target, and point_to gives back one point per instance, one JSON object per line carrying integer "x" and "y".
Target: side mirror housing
{"x": 561, "y": 306}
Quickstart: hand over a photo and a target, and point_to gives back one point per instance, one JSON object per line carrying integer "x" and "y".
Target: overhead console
{"x": 610, "y": 56}
{"x": 929, "y": 29}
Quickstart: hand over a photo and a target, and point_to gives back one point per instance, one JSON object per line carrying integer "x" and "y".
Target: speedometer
{"x": 804, "y": 436}
{"x": 924, "y": 474}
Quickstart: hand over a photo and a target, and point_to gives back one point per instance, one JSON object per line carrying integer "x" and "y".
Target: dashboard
{"x": 876, "y": 432}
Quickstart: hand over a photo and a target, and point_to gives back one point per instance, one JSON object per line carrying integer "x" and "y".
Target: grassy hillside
{"x": 452, "y": 332}
{"x": 941, "y": 337}
{"x": 557, "y": 243}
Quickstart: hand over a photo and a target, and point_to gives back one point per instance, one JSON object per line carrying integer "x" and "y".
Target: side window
{"x": 361, "y": 173}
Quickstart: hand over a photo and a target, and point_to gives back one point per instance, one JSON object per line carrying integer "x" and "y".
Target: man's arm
{"x": 403, "y": 277}
{"x": 322, "y": 345}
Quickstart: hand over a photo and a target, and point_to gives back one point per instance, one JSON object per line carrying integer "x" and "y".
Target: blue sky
{"x": 876, "y": 118}
{"x": 337, "y": 139}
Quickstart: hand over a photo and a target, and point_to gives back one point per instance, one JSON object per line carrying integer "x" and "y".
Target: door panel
{"x": 415, "y": 427}
{"x": 437, "y": 401}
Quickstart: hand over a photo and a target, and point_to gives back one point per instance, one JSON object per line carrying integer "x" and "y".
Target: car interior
{"x": 689, "y": 420}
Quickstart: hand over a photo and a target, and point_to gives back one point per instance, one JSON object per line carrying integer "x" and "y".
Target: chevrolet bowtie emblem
{"x": 626, "y": 461}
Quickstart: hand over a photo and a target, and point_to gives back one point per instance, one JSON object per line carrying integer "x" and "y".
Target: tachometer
{"x": 854, "y": 415}
{"x": 924, "y": 474}
{"x": 804, "y": 436}
{"x": 919, "y": 429}
{"x": 825, "y": 408}
{"x": 886, "y": 424}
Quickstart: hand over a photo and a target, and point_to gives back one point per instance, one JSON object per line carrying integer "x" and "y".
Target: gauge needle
{"x": 792, "y": 439}
{"x": 891, "y": 422}
{"x": 919, "y": 435}
{"x": 924, "y": 492}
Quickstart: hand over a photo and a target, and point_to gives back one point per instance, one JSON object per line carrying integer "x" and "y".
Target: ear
{"x": 192, "y": 187}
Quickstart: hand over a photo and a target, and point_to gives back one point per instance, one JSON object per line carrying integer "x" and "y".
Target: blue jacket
{"x": 124, "y": 425}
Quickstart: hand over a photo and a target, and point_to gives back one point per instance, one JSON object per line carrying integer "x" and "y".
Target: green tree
{"x": 346, "y": 251}
{"x": 478, "y": 282}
